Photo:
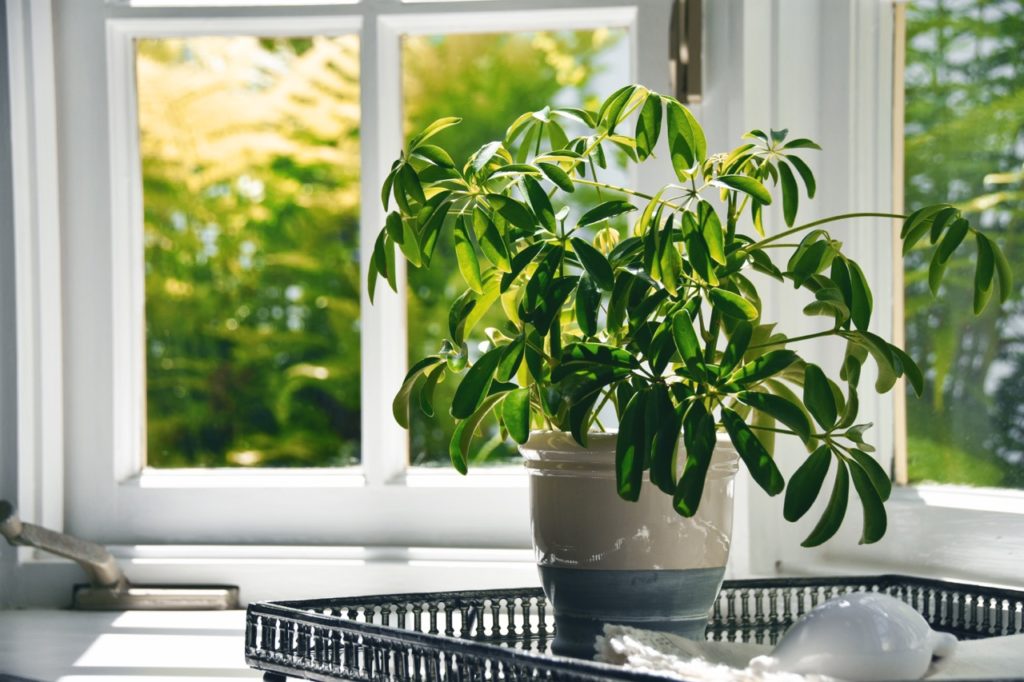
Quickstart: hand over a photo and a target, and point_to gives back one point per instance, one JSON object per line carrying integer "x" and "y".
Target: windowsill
{"x": 70, "y": 645}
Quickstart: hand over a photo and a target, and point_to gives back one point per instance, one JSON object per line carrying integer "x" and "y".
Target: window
{"x": 964, "y": 143}
{"x": 218, "y": 167}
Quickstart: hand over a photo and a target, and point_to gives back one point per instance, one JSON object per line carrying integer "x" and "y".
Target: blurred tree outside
{"x": 965, "y": 145}
{"x": 250, "y": 162}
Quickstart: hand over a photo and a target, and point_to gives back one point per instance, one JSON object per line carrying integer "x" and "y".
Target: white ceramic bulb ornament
{"x": 859, "y": 637}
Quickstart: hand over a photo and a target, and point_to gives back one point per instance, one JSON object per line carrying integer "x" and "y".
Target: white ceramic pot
{"x": 605, "y": 560}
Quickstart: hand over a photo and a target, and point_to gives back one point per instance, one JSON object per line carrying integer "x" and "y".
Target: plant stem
{"x": 800, "y": 228}
{"x": 624, "y": 190}
{"x": 794, "y": 339}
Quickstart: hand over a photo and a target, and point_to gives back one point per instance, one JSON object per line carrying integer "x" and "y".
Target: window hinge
{"x": 108, "y": 588}
{"x": 686, "y": 50}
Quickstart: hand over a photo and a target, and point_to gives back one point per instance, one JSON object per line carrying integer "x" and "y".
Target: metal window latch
{"x": 108, "y": 588}
{"x": 686, "y": 50}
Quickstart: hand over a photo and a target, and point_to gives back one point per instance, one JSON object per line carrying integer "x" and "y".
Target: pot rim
{"x": 559, "y": 450}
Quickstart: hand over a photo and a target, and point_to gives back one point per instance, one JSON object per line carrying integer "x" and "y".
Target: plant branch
{"x": 800, "y": 228}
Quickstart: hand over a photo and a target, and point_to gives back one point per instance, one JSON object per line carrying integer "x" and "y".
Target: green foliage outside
{"x": 250, "y": 157}
{"x": 965, "y": 144}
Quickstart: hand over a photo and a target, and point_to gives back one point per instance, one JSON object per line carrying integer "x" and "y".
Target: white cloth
{"x": 669, "y": 655}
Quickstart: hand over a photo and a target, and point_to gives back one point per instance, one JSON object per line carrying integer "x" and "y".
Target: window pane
{"x": 250, "y": 162}
{"x": 488, "y": 80}
{"x": 965, "y": 144}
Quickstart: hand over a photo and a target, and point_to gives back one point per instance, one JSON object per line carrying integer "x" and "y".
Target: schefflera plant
{"x": 658, "y": 319}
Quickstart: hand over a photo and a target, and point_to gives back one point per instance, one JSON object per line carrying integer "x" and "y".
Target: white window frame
{"x": 79, "y": 472}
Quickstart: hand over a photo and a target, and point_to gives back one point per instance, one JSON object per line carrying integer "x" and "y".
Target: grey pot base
{"x": 584, "y": 600}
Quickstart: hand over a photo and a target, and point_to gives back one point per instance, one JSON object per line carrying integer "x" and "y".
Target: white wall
{"x": 8, "y": 433}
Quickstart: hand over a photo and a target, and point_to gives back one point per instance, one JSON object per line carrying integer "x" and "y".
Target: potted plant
{"x": 640, "y": 304}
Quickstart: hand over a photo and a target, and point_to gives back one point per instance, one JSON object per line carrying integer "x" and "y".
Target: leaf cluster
{"x": 659, "y": 319}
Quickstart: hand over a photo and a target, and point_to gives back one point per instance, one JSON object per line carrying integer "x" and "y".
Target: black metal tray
{"x": 506, "y": 634}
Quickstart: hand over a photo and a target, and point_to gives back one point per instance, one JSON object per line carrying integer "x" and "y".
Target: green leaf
{"x": 389, "y": 181}
{"x": 469, "y": 265}
{"x": 805, "y": 172}
{"x": 861, "y": 302}
{"x": 435, "y": 155}
{"x": 910, "y": 370}
{"x": 492, "y": 243}
{"x": 686, "y": 342}
{"x": 1004, "y": 272}
{"x": 604, "y": 211}
{"x": 874, "y": 511}
{"x": 954, "y": 237}
{"x": 631, "y": 449}
{"x": 618, "y": 301}
{"x": 594, "y": 263}
{"x": 790, "y": 194}
{"x": 805, "y": 484}
{"x": 818, "y": 397}
{"x": 711, "y": 230}
{"x": 758, "y": 460}
{"x": 781, "y": 409}
{"x": 587, "y": 356}
{"x": 511, "y": 210}
{"x": 408, "y": 182}
{"x": 458, "y": 312}
{"x": 769, "y": 364}
{"x": 557, "y": 176}
{"x": 686, "y": 140}
{"x": 830, "y": 521}
{"x": 732, "y": 305}
{"x": 433, "y": 129}
{"x": 588, "y": 304}
{"x": 515, "y": 413}
{"x": 474, "y": 386}
{"x": 462, "y": 436}
{"x": 608, "y": 114}
{"x": 648, "y": 126}
{"x": 888, "y": 363}
{"x": 662, "y": 429}
{"x": 739, "y": 340}
{"x": 699, "y": 441}
{"x": 879, "y": 479}
{"x": 744, "y": 184}
{"x": 400, "y": 404}
{"x": 801, "y": 143}
{"x": 983, "y": 273}
{"x": 541, "y": 204}
{"x": 427, "y": 392}
{"x": 510, "y": 360}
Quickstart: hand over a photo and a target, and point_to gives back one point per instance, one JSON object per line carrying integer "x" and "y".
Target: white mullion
{"x": 37, "y": 262}
{"x": 385, "y": 445}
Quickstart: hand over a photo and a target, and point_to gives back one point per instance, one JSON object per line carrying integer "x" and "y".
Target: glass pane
{"x": 488, "y": 80}
{"x": 250, "y": 161}
{"x": 965, "y": 144}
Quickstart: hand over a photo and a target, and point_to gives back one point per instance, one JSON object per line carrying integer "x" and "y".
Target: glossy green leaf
{"x": 618, "y": 301}
{"x": 754, "y": 455}
{"x": 433, "y": 129}
{"x": 805, "y": 173}
{"x": 779, "y": 408}
{"x": 832, "y": 518}
{"x": 818, "y": 397}
{"x": 685, "y": 337}
{"x": 492, "y": 243}
{"x": 588, "y": 304}
{"x": 648, "y": 126}
{"x": 984, "y": 271}
{"x": 604, "y": 211}
{"x": 413, "y": 379}
{"x": 475, "y": 384}
{"x": 733, "y": 305}
{"x": 805, "y": 484}
{"x": 790, "y": 194}
{"x": 769, "y": 364}
{"x": 745, "y": 184}
{"x": 541, "y": 204}
{"x": 462, "y": 436}
{"x": 1004, "y": 273}
{"x": 557, "y": 176}
{"x": 594, "y": 263}
{"x": 861, "y": 300}
{"x": 699, "y": 441}
{"x": 511, "y": 210}
{"x": 874, "y": 511}
{"x": 465, "y": 254}
{"x": 427, "y": 392}
{"x": 662, "y": 428}
{"x": 910, "y": 369}
{"x": 435, "y": 155}
{"x": 879, "y": 478}
{"x": 711, "y": 231}
{"x": 511, "y": 359}
{"x": 686, "y": 141}
{"x": 739, "y": 340}
{"x": 515, "y": 413}
{"x": 631, "y": 449}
